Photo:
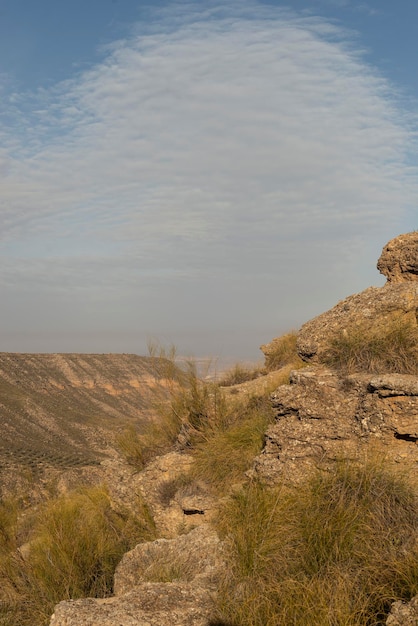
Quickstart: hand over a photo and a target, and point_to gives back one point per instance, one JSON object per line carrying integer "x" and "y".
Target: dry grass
{"x": 226, "y": 453}
{"x": 73, "y": 547}
{"x": 336, "y": 551}
{"x": 223, "y": 432}
{"x": 240, "y": 374}
{"x": 189, "y": 410}
{"x": 389, "y": 349}
{"x": 283, "y": 352}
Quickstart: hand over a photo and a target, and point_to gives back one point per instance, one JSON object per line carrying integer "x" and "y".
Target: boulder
{"x": 196, "y": 556}
{"x": 396, "y": 301}
{"x": 151, "y": 604}
{"x": 373, "y": 308}
{"x": 404, "y": 613}
{"x": 399, "y": 259}
{"x": 190, "y": 565}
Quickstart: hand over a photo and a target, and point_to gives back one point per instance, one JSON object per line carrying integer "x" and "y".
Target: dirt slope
{"x": 64, "y": 409}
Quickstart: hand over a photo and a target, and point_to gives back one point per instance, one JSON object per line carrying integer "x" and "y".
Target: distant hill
{"x": 63, "y": 410}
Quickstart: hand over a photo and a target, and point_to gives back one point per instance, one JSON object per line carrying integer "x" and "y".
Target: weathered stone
{"x": 399, "y": 259}
{"x": 404, "y": 613}
{"x": 195, "y": 556}
{"x": 191, "y": 563}
{"x": 151, "y": 604}
{"x": 322, "y": 417}
{"x": 373, "y": 308}
{"x": 188, "y": 507}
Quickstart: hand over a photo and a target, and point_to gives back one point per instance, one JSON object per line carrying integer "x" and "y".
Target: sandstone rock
{"x": 404, "y": 613}
{"x": 190, "y": 562}
{"x": 196, "y": 556}
{"x": 399, "y": 259}
{"x": 373, "y": 308}
{"x": 151, "y": 604}
{"x": 322, "y": 417}
{"x": 187, "y": 508}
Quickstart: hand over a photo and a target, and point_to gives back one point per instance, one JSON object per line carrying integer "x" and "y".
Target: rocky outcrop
{"x": 151, "y": 604}
{"x": 196, "y": 556}
{"x": 190, "y": 562}
{"x": 321, "y": 417}
{"x": 375, "y": 307}
{"x": 324, "y": 415}
{"x": 399, "y": 259}
{"x": 176, "y": 505}
{"x": 404, "y": 613}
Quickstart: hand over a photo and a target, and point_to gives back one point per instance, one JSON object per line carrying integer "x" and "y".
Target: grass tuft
{"x": 282, "y": 352}
{"x": 222, "y": 458}
{"x": 389, "y": 349}
{"x": 335, "y": 551}
{"x": 74, "y": 545}
{"x": 240, "y": 374}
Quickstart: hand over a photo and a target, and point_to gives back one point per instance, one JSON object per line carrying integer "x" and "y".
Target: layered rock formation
{"x": 323, "y": 418}
{"x": 325, "y": 415}
{"x": 61, "y": 412}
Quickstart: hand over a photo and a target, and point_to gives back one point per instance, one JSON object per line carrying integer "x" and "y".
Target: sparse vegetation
{"x": 169, "y": 488}
{"x": 240, "y": 374}
{"x": 334, "y": 551}
{"x": 223, "y": 433}
{"x": 383, "y": 349}
{"x": 72, "y": 548}
{"x": 222, "y": 458}
{"x": 282, "y": 352}
{"x": 131, "y": 446}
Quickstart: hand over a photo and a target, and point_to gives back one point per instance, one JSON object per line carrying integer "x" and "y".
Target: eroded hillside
{"x": 64, "y": 409}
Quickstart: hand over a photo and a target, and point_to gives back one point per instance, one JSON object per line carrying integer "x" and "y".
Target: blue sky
{"x": 208, "y": 174}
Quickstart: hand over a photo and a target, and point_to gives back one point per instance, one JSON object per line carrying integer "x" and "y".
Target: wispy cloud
{"x": 208, "y": 143}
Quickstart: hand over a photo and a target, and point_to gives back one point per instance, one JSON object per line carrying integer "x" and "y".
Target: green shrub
{"x": 392, "y": 348}
{"x": 336, "y": 551}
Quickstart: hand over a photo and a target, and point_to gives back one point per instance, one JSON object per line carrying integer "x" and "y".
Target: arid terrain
{"x": 64, "y": 410}
{"x": 135, "y": 493}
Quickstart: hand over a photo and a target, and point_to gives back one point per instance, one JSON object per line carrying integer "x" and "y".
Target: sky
{"x": 205, "y": 174}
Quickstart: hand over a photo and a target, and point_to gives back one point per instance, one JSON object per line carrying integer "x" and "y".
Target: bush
{"x": 189, "y": 411}
{"x": 282, "y": 352}
{"x": 240, "y": 374}
{"x": 132, "y": 447}
{"x": 223, "y": 457}
{"x": 335, "y": 551}
{"x": 75, "y": 544}
{"x": 389, "y": 349}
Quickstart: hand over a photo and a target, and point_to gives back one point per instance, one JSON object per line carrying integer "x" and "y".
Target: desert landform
{"x": 208, "y": 485}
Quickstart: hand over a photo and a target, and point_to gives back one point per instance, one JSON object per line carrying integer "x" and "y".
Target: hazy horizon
{"x": 208, "y": 175}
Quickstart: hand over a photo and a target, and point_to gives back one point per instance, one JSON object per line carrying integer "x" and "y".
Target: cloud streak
{"x": 228, "y": 143}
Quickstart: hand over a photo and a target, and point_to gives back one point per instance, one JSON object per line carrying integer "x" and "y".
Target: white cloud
{"x": 205, "y": 145}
